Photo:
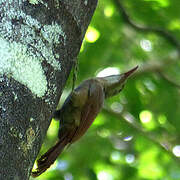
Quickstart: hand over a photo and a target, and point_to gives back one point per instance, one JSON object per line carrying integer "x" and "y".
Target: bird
{"x": 79, "y": 111}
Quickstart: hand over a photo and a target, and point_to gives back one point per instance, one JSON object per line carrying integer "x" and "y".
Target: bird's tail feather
{"x": 47, "y": 159}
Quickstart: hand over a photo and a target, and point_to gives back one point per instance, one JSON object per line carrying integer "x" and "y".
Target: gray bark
{"x": 39, "y": 42}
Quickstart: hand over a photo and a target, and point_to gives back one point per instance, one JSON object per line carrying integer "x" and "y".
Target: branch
{"x": 153, "y": 66}
{"x": 158, "y": 68}
{"x": 169, "y": 80}
{"x": 138, "y": 27}
{"x": 165, "y": 146}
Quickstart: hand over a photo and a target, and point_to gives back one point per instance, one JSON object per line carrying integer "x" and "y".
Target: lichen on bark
{"x": 39, "y": 45}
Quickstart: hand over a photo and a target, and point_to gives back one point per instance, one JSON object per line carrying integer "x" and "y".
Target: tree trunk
{"x": 40, "y": 41}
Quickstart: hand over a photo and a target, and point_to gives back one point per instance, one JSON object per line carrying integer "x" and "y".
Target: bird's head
{"x": 115, "y": 83}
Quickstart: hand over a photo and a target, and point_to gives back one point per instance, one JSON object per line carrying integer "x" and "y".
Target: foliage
{"x": 136, "y": 137}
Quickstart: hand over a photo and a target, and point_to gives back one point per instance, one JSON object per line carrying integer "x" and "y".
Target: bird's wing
{"x": 90, "y": 109}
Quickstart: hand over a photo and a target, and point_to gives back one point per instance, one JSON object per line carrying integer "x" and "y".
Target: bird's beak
{"x": 127, "y": 74}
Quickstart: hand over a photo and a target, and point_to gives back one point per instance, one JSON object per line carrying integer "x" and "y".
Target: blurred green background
{"x": 137, "y": 134}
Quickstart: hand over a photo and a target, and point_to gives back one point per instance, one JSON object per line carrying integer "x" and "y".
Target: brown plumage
{"x": 78, "y": 113}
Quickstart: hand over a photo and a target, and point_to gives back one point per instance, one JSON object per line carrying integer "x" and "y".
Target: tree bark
{"x": 40, "y": 41}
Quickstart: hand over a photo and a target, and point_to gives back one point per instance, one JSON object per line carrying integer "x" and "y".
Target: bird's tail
{"x": 47, "y": 159}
